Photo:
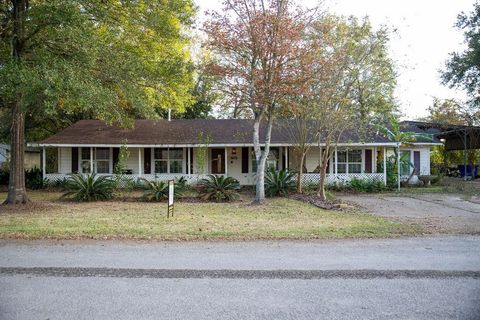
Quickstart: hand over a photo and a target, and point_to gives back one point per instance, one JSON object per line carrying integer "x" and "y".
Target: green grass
{"x": 279, "y": 218}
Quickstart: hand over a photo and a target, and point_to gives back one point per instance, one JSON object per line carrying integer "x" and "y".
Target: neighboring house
{"x": 170, "y": 149}
{"x": 32, "y": 156}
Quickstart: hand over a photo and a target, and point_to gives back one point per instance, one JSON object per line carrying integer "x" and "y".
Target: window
{"x": 102, "y": 160}
{"x": 168, "y": 160}
{"x": 272, "y": 159}
{"x": 85, "y": 160}
{"x": 355, "y": 161}
{"x": 405, "y": 168}
{"x": 349, "y": 161}
{"x": 342, "y": 162}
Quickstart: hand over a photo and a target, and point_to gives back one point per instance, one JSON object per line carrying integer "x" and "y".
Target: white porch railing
{"x": 191, "y": 179}
{"x": 341, "y": 178}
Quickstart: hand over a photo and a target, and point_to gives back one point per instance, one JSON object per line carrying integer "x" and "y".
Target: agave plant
{"x": 219, "y": 188}
{"x": 89, "y": 187}
{"x": 279, "y": 183}
{"x": 157, "y": 190}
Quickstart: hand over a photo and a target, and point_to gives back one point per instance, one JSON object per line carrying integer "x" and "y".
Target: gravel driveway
{"x": 445, "y": 213}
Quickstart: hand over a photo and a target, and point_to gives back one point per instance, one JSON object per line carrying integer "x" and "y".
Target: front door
{"x": 218, "y": 161}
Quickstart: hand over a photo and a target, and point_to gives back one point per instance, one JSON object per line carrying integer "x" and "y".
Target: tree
{"x": 463, "y": 69}
{"x": 353, "y": 89}
{"x": 260, "y": 47}
{"x": 450, "y": 112}
{"x": 115, "y": 60}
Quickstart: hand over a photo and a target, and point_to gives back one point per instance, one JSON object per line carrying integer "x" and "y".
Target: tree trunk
{"x": 16, "y": 187}
{"x": 321, "y": 184}
{"x": 324, "y": 156}
{"x": 17, "y": 192}
{"x": 300, "y": 173}
{"x": 261, "y": 157}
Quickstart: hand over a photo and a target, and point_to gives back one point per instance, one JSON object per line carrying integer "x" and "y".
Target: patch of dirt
{"x": 316, "y": 201}
{"x": 32, "y": 206}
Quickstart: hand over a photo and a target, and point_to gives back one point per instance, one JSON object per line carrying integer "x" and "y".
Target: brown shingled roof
{"x": 175, "y": 132}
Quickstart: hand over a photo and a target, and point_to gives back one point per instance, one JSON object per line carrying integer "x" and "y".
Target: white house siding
{"x": 64, "y": 160}
{"x": 132, "y": 160}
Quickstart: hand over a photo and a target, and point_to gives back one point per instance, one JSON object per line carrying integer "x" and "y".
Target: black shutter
{"x": 416, "y": 162}
{"x": 147, "y": 160}
{"x": 74, "y": 160}
{"x": 368, "y": 161}
{"x": 191, "y": 160}
{"x": 115, "y": 153}
{"x": 245, "y": 160}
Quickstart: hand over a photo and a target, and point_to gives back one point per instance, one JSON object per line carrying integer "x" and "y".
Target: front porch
{"x": 194, "y": 163}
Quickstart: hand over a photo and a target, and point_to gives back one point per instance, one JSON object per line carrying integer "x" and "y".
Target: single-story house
{"x": 31, "y": 157}
{"x": 162, "y": 149}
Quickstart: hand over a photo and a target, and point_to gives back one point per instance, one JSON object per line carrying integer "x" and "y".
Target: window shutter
{"x": 245, "y": 160}
{"x": 368, "y": 160}
{"x": 74, "y": 160}
{"x": 147, "y": 157}
{"x": 115, "y": 153}
{"x": 416, "y": 162}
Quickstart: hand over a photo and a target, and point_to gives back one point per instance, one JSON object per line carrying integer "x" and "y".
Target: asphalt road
{"x": 421, "y": 278}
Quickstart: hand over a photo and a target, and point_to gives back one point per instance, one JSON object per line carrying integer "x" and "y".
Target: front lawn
{"x": 279, "y": 218}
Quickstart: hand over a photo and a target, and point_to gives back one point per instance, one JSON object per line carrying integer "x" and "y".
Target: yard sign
{"x": 171, "y": 186}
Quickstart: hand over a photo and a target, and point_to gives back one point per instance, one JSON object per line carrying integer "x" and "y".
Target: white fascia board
{"x": 212, "y": 145}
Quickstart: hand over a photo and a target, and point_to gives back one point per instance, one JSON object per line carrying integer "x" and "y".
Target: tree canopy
{"x": 463, "y": 68}
{"x": 112, "y": 60}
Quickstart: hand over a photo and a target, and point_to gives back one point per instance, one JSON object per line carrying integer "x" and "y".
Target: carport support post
{"x": 465, "y": 155}
{"x": 398, "y": 166}
{"x": 385, "y": 166}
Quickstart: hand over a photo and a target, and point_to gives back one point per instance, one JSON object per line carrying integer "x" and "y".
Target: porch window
{"x": 102, "y": 160}
{"x": 272, "y": 159}
{"x": 349, "y": 161}
{"x": 168, "y": 160}
{"x": 355, "y": 161}
{"x": 405, "y": 168}
{"x": 85, "y": 160}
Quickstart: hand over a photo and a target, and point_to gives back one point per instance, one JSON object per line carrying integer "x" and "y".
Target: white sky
{"x": 424, "y": 38}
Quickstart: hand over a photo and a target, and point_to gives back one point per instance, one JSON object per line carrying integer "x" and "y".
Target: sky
{"x": 424, "y": 37}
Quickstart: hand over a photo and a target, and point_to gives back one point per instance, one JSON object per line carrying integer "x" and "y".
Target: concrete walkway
{"x": 450, "y": 213}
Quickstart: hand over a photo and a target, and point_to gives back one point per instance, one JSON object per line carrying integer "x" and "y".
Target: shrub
{"x": 279, "y": 183}
{"x": 4, "y": 176}
{"x": 181, "y": 184}
{"x": 219, "y": 188}
{"x": 157, "y": 190}
{"x": 34, "y": 179}
{"x": 89, "y": 187}
{"x": 361, "y": 185}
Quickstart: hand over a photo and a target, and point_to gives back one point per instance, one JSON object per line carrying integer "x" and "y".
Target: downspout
{"x": 465, "y": 156}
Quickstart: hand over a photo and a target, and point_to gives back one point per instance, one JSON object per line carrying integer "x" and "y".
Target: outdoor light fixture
{"x": 234, "y": 151}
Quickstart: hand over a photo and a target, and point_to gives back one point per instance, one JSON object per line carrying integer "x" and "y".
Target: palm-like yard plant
{"x": 89, "y": 187}
{"x": 157, "y": 190}
{"x": 279, "y": 183}
{"x": 219, "y": 188}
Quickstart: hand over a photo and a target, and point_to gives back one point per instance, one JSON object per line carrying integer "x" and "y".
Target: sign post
{"x": 171, "y": 186}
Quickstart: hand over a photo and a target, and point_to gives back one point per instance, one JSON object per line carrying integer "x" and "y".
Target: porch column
{"x": 44, "y": 162}
{"x": 226, "y": 161}
{"x": 385, "y": 165}
{"x": 336, "y": 162}
{"x": 91, "y": 160}
{"x": 286, "y": 158}
{"x": 139, "y": 162}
